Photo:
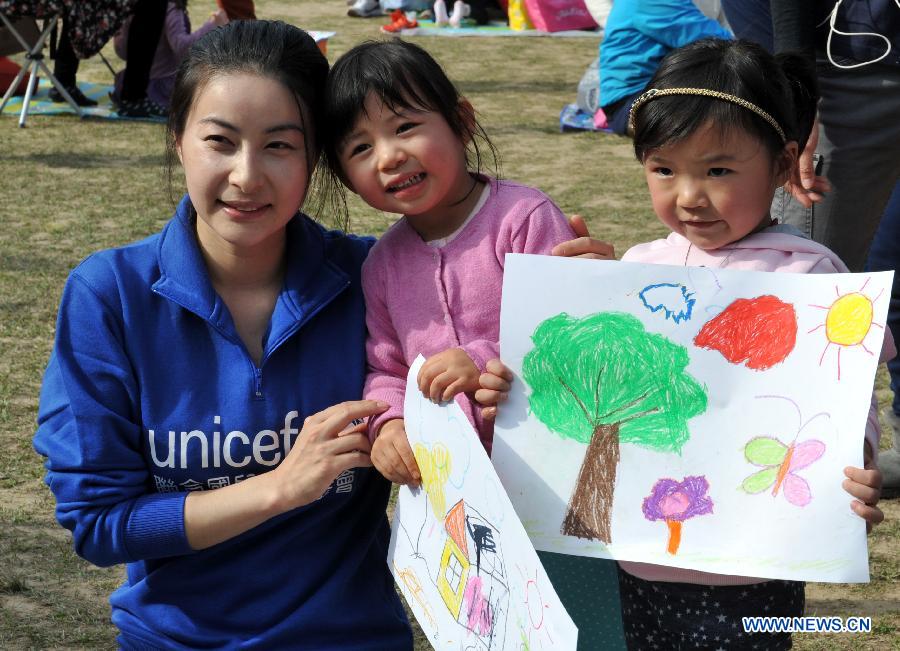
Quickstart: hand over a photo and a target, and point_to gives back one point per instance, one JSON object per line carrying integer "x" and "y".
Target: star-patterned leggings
{"x": 670, "y": 616}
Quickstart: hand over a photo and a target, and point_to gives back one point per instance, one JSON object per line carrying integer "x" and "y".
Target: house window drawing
{"x": 472, "y": 577}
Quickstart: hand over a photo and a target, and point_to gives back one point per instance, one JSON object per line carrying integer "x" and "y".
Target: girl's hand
{"x": 328, "y": 444}
{"x": 865, "y": 485}
{"x": 444, "y": 375}
{"x": 584, "y": 246}
{"x": 393, "y": 457}
{"x": 494, "y": 388}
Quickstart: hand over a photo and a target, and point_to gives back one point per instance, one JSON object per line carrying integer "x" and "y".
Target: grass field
{"x": 69, "y": 187}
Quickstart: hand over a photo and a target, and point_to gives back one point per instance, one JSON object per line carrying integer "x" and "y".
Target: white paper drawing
{"x": 458, "y": 552}
{"x": 697, "y": 418}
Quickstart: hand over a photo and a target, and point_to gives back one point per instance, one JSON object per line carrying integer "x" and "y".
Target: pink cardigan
{"x": 422, "y": 299}
{"x": 773, "y": 249}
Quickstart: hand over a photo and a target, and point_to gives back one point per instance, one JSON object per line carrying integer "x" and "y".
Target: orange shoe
{"x": 399, "y": 22}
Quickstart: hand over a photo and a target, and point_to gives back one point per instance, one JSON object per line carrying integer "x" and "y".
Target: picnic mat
{"x": 572, "y": 118}
{"x": 428, "y": 28}
{"x": 41, "y": 104}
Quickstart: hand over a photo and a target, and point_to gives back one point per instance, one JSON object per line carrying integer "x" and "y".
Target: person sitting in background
{"x": 638, "y": 34}
{"x": 174, "y": 43}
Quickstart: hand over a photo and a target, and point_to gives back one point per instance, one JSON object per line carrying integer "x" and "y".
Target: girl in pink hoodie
{"x": 719, "y": 129}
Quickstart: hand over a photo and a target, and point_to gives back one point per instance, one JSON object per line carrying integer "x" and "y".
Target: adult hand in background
{"x": 805, "y": 185}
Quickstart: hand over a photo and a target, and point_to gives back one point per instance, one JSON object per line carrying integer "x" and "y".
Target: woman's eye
{"x": 719, "y": 171}
{"x": 217, "y": 139}
{"x": 280, "y": 144}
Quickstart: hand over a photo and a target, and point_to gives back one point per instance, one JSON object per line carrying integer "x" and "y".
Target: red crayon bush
{"x": 757, "y": 332}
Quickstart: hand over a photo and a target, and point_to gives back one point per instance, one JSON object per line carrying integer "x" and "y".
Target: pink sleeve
{"x": 178, "y": 32}
{"x": 873, "y": 427}
{"x": 542, "y": 229}
{"x": 387, "y": 369}
{"x": 480, "y": 351}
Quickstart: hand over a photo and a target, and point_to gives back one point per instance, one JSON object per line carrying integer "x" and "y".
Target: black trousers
{"x": 143, "y": 36}
{"x": 147, "y": 24}
{"x": 65, "y": 64}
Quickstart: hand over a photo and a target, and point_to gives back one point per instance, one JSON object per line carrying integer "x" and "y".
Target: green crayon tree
{"x": 603, "y": 380}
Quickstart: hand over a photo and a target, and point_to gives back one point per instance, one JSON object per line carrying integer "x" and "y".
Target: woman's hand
{"x": 584, "y": 246}
{"x": 494, "y": 388}
{"x": 392, "y": 456}
{"x": 444, "y": 375}
{"x": 328, "y": 444}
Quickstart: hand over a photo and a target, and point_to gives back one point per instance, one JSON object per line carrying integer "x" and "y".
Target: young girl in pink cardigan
{"x": 402, "y": 138}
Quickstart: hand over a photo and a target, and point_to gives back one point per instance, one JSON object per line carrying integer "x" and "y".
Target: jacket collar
{"x": 312, "y": 280}
{"x": 771, "y": 238}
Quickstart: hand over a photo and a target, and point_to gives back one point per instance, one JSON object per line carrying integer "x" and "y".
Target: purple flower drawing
{"x": 675, "y": 502}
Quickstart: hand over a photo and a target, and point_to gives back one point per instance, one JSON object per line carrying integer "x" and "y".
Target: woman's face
{"x": 244, "y": 152}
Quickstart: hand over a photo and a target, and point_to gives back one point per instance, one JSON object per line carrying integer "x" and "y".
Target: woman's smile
{"x": 244, "y": 209}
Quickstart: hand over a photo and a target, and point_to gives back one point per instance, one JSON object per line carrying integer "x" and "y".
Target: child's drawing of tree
{"x": 603, "y": 380}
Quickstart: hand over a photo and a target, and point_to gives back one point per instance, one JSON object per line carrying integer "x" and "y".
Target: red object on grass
{"x": 399, "y": 22}
{"x": 8, "y": 71}
{"x": 757, "y": 332}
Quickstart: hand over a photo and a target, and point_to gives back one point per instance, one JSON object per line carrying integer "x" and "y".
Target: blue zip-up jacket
{"x": 638, "y": 34}
{"x": 150, "y": 393}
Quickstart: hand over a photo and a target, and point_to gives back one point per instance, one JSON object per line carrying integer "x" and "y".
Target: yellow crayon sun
{"x": 848, "y": 322}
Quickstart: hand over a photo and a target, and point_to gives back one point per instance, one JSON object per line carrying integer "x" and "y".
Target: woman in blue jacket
{"x": 197, "y": 413}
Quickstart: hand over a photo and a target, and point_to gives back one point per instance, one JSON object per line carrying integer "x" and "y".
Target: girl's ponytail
{"x": 800, "y": 74}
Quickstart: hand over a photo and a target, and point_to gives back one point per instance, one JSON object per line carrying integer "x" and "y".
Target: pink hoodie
{"x": 778, "y": 249}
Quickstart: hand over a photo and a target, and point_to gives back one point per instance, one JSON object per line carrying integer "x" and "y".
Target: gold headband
{"x": 653, "y": 93}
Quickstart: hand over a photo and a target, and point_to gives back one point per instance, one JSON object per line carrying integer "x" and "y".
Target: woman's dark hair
{"x": 402, "y": 76}
{"x": 266, "y": 48}
{"x": 784, "y": 86}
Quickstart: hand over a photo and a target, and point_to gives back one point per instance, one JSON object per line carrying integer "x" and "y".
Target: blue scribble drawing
{"x": 675, "y": 300}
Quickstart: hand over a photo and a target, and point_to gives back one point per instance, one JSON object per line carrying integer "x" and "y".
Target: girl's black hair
{"x": 784, "y": 86}
{"x": 403, "y": 76}
{"x": 266, "y": 48}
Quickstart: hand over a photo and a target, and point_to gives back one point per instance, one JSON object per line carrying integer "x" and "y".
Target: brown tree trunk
{"x": 590, "y": 507}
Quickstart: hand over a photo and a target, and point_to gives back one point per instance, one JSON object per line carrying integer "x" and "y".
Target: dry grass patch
{"x": 70, "y": 187}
